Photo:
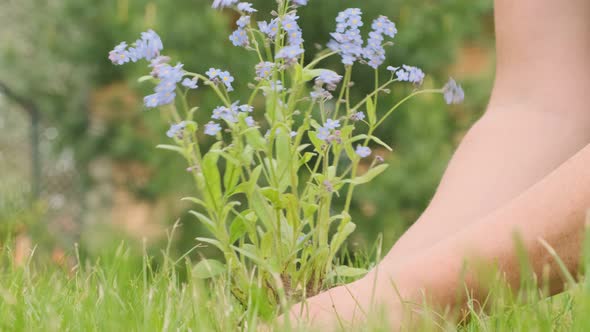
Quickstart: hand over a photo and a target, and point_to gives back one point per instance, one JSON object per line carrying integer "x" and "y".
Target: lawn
{"x": 126, "y": 292}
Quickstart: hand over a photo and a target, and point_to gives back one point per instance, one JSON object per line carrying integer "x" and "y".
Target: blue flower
{"x": 329, "y": 78}
{"x": 300, "y": 2}
{"x": 264, "y": 70}
{"x": 323, "y": 133}
{"x": 212, "y": 128}
{"x": 270, "y": 29}
{"x": 119, "y": 54}
{"x": 151, "y": 44}
{"x": 176, "y": 129}
{"x": 276, "y": 86}
{"x": 227, "y": 79}
{"x": 332, "y": 124}
{"x": 159, "y": 99}
{"x": 213, "y": 73}
{"x": 218, "y": 112}
{"x": 228, "y": 114}
{"x": 295, "y": 38}
{"x": 152, "y": 100}
{"x": 243, "y": 21}
{"x": 246, "y": 7}
{"x": 358, "y": 116}
{"x": 223, "y": 3}
{"x": 167, "y": 72}
{"x": 166, "y": 86}
{"x": 250, "y": 121}
{"x": 320, "y": 93}
{"x": 190, "y": 83}
{"x": 167, "y": 98}
{"x": 246, "y": 108}
{"x": 159, "y": 60}
{"x": 289, "y": 23}
{"x": 290, "y": 53}
{"x": 239, "y": 38}
{"x": 453, "y": 92}
{"x": 363, "y": 151}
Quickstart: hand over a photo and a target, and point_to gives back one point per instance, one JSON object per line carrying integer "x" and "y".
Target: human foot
{"x": 349, "y": 306}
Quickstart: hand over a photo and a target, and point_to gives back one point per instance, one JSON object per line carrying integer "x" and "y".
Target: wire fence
{"x": 34, "y": 167}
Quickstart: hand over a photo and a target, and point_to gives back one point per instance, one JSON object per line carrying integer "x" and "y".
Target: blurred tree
{"x": 55, "y": 54}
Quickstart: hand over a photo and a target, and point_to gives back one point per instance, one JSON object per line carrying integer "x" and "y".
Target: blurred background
{"x": 77, "y": 148}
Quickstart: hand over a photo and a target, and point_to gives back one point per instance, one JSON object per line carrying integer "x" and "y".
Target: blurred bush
{"x": 55, "y": 54}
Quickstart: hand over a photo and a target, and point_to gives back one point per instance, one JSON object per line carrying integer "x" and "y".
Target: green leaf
{"x": 231, "y": 177}
{"x": 349, "y": 272}
{"x": 205, "y": 220}
{"x": 310, "y": 74}
{"x": 212, "y": 178}
{"x": 371, "y": 111}
{"x": 255, "y": 139}
{"x": 380, "y": 142}
{"x": 350, "y": 151}
{"x": 171, "y": 148}
{"x": 194, "y": 200}
{"x": 237, "y": 229}
{"x": 208, "y": 268}
{"x": 306, "y": 158}
{"x": 212, "y": 242}
{"x": 248, "y": 251}
{"x": 263, "y": 209}
{"x": 370, "y": 175}
{"x": 283, "y": 151}
{"x": 345, "y": 228}
{"x": 145, "y": 78}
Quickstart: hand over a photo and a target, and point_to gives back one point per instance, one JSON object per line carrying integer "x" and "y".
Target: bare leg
{"x": 498, "y": 180}
{"x": 553, "y": 210}
{"x": 537, "y": 118}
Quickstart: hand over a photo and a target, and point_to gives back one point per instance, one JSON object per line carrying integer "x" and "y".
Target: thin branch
{"x": 28, "y": 105}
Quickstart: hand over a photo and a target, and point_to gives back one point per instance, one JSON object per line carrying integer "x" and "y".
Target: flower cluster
{"x": 223, "y": 3}
{"x": 347, "y": 39}
{"x": 176, "y": 130}
{"x": 256, "y": 178}
{"x": 217, "y": 75}
{"x": 264, "y": 70}
{"x": 148, "y": 47}
{"x": 374, "y": 53}
{"x": 408, "y": 74}
{"x": 246, "y": 7}
{"x": 165, "y": 90}
{"x": 348, "y": 42}
{"x": 240, "y": 36}
{"x": 329, "y": 131}
{"x": 230, "y": 114}
{"x": 328, "y": 78}
{"x": 294, "y": 49}
{"x": 300, "y": 2}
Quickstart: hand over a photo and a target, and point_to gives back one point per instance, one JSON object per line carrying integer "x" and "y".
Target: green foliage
{"x": 70, "y": 39}
{"x": 124, "y": 292}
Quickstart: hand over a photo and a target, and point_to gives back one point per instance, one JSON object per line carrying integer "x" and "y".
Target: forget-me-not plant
{"x": 267, "y": 199}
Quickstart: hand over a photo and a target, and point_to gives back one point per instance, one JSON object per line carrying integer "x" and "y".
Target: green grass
{"x": 124, "y": 292}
